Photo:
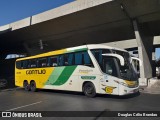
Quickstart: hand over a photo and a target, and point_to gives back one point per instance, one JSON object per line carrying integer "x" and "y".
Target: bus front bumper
{"x": 127, "y": 91}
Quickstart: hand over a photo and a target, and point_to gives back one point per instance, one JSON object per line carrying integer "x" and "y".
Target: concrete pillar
{"x": 153, "y": 63}
{"x": 145, "y": 45}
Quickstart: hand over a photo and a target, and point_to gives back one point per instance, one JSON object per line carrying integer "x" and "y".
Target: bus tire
{"x": 89, "y": 89}
{"x": 33, "y": 86}
{"x": 26, "y": 86}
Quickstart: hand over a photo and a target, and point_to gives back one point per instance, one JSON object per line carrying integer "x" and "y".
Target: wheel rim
{"x": 33, "y": 86}
{"x": 89, "y": 90}
{"x": 26, "y": 86}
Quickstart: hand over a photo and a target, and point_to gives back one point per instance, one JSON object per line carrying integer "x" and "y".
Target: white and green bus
{"x": 90, "y": 69}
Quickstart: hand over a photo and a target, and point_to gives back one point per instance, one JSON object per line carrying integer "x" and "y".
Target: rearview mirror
{"x": 117, "y": 56}
{"x": 137, "y": 59}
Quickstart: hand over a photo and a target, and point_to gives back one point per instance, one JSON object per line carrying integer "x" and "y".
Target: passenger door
{"x": 108, "y": 85}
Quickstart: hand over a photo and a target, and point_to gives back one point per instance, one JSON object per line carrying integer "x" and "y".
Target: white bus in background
{"x": 89, "y": 68}
{"x": 158, "y": 72}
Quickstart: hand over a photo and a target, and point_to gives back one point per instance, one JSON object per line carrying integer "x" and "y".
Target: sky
{"x": 157, "y": 53}
{"x": 14, "y": 10}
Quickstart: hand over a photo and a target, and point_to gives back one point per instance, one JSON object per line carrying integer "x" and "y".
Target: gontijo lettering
{"x": 28, "y": 72}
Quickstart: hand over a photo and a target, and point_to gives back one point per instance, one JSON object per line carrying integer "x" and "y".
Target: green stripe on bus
{"x": 77, "y": 50}
{"x": 65, "y": 75}
{"x": 55, "y": 75}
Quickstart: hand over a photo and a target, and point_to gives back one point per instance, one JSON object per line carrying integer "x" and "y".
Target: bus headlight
{"x": 121, "y": 83}
{"x": 128, "y": 84}
{"x": 124, "y": 84}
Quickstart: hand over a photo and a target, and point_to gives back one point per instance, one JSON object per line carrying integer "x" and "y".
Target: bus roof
{"x": 102, "y": 46}
{"x": 72, "y": 49}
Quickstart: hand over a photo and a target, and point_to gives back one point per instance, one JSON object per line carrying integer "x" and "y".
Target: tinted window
{"x": 109, "y": 66}
{"x": 24, "y": 64}
{"x": 83, "y": 58}
{"x": 33, "y": 63}
{"x": 87, "y": 60}
{"x": 18, "y": 64}
{"x": 78, "y": 58}
{"x": 71, "y": 59}
{"x": 66, "y": 59}
{"x": 53, "y": 61}
{"x": 98, "y": 54}
{"x": 61, "y": 60}
{"x": 42, "y": 62}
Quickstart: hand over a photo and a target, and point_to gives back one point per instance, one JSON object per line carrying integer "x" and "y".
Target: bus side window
{"x": 24, "y": 64}
{"x": 53, "y": 61}
{"x": 42, "y": 62}
{"x": 71, "y": 59}
{"x": 78, "y": 58}
{"x": 109, "y": 66}
{"x": 33, "y": 63}
{"x": 61, "y": 60}
{"x": 66, "y": 59}
{"x": 18, "y": 64}
{"x": 28, "y": 64}
{"x": 98, "y": 55}
{"x": 87, "y": 59}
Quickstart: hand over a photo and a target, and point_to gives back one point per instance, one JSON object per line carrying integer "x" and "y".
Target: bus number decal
{"x": 109, "y": 89}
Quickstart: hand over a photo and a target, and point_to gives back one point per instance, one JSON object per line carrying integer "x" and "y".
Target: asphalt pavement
{"x": 50, "y": 100}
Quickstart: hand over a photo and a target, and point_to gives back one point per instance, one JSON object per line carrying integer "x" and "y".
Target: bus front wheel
{"x": 33, "y": 86}
{"x": 26, "y": 86}
{"x": 89, "y": 89}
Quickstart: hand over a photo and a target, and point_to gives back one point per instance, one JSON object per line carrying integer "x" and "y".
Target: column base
{"x": 143, "y": 82}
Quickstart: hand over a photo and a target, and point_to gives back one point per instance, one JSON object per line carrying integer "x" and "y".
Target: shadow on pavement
{"x": 120, "y": 97}
{"x": 97, "y": 96}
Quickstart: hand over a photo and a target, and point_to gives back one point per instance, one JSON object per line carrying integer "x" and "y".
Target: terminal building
{"x": 127, "y": 24}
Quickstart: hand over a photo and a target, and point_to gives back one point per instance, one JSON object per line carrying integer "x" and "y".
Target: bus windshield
{"x": 111, "y": 65}
{"x": 127, "y": 71}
